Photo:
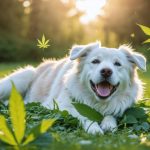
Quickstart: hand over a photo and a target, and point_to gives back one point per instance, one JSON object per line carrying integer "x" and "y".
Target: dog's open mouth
{"x": 104, "y": 89}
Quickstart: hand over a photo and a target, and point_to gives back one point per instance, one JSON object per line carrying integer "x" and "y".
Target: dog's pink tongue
{"x": 103, "y": 90}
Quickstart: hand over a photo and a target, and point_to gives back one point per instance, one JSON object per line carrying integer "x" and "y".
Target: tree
{"x": 11, "y": 13}
{"x": 51, "y": 18}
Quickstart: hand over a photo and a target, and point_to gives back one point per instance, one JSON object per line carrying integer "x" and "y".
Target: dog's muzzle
{"x": 103, "y": 89}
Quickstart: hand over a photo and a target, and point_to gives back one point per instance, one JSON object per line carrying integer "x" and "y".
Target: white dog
{"x": 103, "y": 78}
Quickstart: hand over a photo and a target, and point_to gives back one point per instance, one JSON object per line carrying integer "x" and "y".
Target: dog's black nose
{"x": 106, "y": 72}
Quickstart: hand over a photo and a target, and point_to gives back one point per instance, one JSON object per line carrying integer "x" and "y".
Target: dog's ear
{"x": 134, "y": 57}
{"x": 78, "y": 51}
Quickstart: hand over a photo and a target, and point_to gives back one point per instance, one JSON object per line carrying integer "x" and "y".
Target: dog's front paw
{"x": 109, "y": 124}
{"x": 95, "y": 129}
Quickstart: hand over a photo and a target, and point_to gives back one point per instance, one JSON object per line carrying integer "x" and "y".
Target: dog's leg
{"x": 91, "y": 127}
{"x": 109, "y": 123}
{"x": 88, "y": 125}
{"x": 65, "y": 104}
{"x": 21, "y": 78}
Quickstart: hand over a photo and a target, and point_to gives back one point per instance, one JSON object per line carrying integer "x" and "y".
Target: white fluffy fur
{"x": 69, "y": 78}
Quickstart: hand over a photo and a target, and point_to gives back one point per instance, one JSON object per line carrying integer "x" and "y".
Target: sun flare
{"x": 91, "y": 9}
{"x": 26, "y": 3}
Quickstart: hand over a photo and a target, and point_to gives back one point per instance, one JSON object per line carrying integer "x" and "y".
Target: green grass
{"x": 68, "y": 135}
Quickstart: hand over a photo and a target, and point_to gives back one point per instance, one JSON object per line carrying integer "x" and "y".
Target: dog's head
{"x": 106, "y": 71}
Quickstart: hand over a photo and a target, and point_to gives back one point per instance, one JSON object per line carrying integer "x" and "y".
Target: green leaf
{"x": 145, "y": 126}
{"x": 137, "y": 127}
{"x": 137, "y": 112}
{"x": 145, "y": 29}
{"x": 129, "y": 119}
{"x": 5, "y": 134}
{"x": 39, "y": 129}
{"x": 46, "y": 42}
{"x": 39, "y": 46}
{"x": 47, "y": 46}
{"x": 43, "y": 43}
{"x": 40, "y": 43}
{"x": 88, "y": 112}
{"x": 146, "y": 41}
{"x": 143, "y": 103}
{"x": 17, "y": 114}
{"x": 43, "y": 39}
{"x": 56, "y": 107}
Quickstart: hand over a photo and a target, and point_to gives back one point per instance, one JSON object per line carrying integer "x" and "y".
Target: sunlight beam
{"x": 91, "y": 8}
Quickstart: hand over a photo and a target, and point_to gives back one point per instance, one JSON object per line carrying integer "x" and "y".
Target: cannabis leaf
{"x": 17, "y": 111}
{"x": 39, "y": 129}
{"x": 43, "y": 43}
{"x": 5, "y": 133}
{"x": 146, "y": 30}
{"x": 147, "y": 41}
{"x": 17, "y": 114}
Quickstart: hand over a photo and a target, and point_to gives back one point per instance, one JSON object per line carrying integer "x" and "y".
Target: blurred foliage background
{"x": 22, "y": 22}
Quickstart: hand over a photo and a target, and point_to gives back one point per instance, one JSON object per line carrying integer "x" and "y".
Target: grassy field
{"x": 67, "y": 135}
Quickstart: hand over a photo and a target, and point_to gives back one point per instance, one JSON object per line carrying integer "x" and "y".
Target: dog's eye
{"x": 117, "y": 63}
{"x": 96, "y": 61}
